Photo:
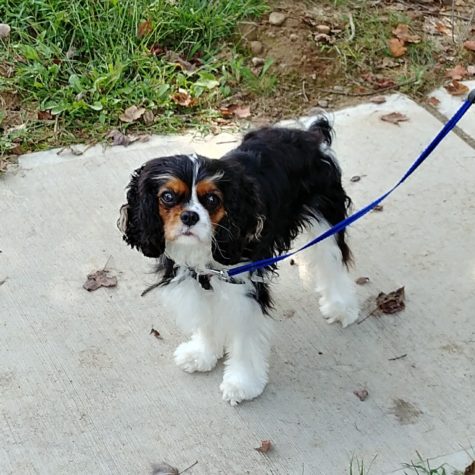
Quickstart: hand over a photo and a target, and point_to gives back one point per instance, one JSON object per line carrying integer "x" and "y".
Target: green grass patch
{"x": 86, "y": 61}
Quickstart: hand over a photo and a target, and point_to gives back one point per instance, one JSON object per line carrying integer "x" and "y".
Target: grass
{"x": 86, "y": 61}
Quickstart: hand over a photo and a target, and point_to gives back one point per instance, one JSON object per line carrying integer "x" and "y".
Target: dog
{"x": 199, "y": 216}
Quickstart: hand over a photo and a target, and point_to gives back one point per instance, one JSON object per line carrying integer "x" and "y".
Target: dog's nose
{"x": 189, "y": 218}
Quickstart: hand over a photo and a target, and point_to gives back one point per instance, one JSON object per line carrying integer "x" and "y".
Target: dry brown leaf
{"x": 433, "y": 101}
{"x": 470, "y": 470}
{"x": 164, "y": 469}
{"x": 378, "y": 208}
{"x": 266, "y": 445}
{"x": 183, "y": 98}
{"x": 44, "y": 115}
{"x": 396, "y": 47}
{"x": 156, "y": 334}
{"x": 144, "y": 28}
{"x": 148, "y": 117}
{"x": 132, "y": 113}
{"x": 458, "y": 72}
{"x": 99, "y": 279}
{"x": 443, "y": 29}
{"x": 470, "y": 45}
{"x": 361, "y": 394}
{"x": 362, "y": 280}
{"x": 235, "y": 110}
{"x": 118, "y": 138}
{"x": 394, "y": 118}
{"x": 378, "y": 100}
{"x": 392, "y": 302}
{"x": 456, "y": 88}
{"x": 402, "y": 33}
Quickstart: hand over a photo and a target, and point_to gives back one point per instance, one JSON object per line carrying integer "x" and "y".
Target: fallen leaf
{"x": 456, "y": 88}
{"x": 396, "y": 47}
{"x": 443, "y": 29}
{"x": 402, "y": 33}
{"x": 266, "y": 445}
{"x": 458, "y": 72}
{"x": 378, "y": 100}
{"x": 394, "y": 118}
{"x": 433, "y": 101}
{"x": 362, "y": 280}
{"x": 99, "y": 279}
{"x": 155, "y": 333}
{"x": 183, "y": 98}
{"x": 164, "y": 469}
{"x": 470, "y": 470}
{"x": 236, "y": 110}
{"x": 392, "y": 302}
{"x": 361, "y": 394}
{"x": 355, "y": 178}
{"x": 144, "y": 28}
{"x": 157, "y": 50}
{"x": 293, "y": 263}
{"x": 378, "y": 208}
{"x": 470, "y": 45}
{"x": 148, "y": 117}
{"x": 132, "y": 113}
{"x": 44, "y": 115}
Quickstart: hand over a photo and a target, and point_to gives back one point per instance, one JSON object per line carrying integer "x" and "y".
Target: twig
{"x": 398, "y": 357}
{"x": 303, "y": 92}
{"x": 352, "y": 27}
{"x": 186, "y": 469}
{"x": 452, "y": 20}
{"x": 74, "y": 151}
{"x": 367, "y": 316}
{"x": 226, "y": 141}
{"x": 369, "y": 93}
{"x": 107, "y": 262}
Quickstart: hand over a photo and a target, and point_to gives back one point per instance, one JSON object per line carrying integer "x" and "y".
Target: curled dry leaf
{"x": 265, "y": 446}
{"x": 235, "y": 110}
{"x": 131, "y": 114}
{"x": 144, "y": 28}
{"x": 443, "y": 29}
{"x": 118, "y": 138}
{"x": 183, "y": 98}
{"x": 458, "y": 72}
{"x": 148, "y": 117}
{"x": 361, "y": 394}
{"x": 378, "y": 100}
{"x": 378, "y": 208}
{"x": 164, "y": 469}
{"x": 456, "y": 88}
{"x": 402, "y": 33}
{"x": 396, "y": 47}
{"x": 470, "y": 45}
{"x": 433, "y": 101}
{"x": 99, "y": 279}
{"x": 394, "y": 118}
{"x": 392, "y": 302}
{"x": 156, "y": 334}
{"x": 362, "y": 280}
{"x": 44, "y": 115}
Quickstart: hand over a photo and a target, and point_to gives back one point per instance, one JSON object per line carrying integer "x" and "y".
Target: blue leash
{"x": 252, "y": 266}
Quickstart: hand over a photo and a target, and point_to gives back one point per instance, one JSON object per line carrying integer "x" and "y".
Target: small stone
{"x": 293, "y": 37}
{"x": 256, "y": 47}
{"x": 256, "y": 61}
{"x": 276, "y": 18}
{"x": 323, "y": 29}
{"x": 4, "y": 30}
{"x": 323, "y": 103}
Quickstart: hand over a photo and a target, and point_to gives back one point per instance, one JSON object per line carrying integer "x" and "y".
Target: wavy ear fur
{"x": 139, "y": 220}
{"x": 243, "y": 221}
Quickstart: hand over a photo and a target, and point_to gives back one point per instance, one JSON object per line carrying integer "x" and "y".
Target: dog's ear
{"x": 139, "y": 219}
{"x": 243, "y": 220}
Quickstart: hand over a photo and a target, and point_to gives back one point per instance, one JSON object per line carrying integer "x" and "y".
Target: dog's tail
{"x": 322, "y": 127}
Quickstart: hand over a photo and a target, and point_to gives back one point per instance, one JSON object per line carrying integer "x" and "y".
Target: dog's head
{"x": 191, "y": 208}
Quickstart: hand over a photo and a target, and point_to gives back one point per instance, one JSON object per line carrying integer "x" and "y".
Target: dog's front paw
{"x": 194, "y": 356}
{"x": 345, "y": 312}
{"x": 240, "y": 387}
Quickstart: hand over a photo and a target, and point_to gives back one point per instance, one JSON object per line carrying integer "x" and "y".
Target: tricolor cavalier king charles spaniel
{"x": 199, "y": 216}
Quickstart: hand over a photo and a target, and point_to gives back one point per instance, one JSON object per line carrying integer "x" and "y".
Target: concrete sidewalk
{"x": 85, "y": 389}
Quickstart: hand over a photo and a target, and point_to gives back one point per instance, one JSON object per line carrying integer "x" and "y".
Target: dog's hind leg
{"x": 325, "y": 263}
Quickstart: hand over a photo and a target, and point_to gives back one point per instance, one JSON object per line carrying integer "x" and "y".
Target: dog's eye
{"x": 211, "y": 200}
{"x": 168, "y": 197}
